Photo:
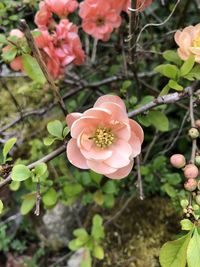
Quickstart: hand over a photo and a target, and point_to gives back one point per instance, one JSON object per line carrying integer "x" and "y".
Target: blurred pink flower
{"x": 99, "y": 18}
{"x": 62, "y": 7}
{"x": 15, "y": 64}
{"x": 43, "y": 17}
{"x": 188, "y": 41}
{"x": 104, "y": 139}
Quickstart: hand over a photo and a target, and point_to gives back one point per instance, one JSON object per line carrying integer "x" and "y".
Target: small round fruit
{"x": 197, "y": 123}
{"x": 193, "y": 133}
{"x": 191, "y": 171}
{"x": 197, "y": 160}
{"x": 178, "y": 161}
{"x": 190, "y": 185}
{"x": 198, "y": 199}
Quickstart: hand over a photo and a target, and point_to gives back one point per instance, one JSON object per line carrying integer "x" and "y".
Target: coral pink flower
{"x": 67, "y": 43}
{"x": 188, "y": 41}
{"x": 61, "y": 7}
{"x": 15, "y": 64}
{"x": 43, "y": 17}
{"x": 104, "y": 139}
{"x": 99, "y": 18}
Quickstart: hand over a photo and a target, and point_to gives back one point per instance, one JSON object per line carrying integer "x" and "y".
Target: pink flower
{"x": 43, "y": 17}
{"x": 99, "y": 18}
{"x": 16, "y": 64}
{"x": 67, "y": 44}
{"x": 104, "y": 139}
{"x": 61, "y": 7}
{"x": 188, "y": 41}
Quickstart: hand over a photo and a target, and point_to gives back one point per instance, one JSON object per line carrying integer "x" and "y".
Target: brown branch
{"x": 194, "y": 141}
{"x": 46, "y": 158}
{"x": 37, "y": 55}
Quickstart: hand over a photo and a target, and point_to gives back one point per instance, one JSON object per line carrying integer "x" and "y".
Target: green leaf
{"x": 169, "y": 190}
{"x": 66, "y": 131}
{"x": 193, "y": 251}
{"x": 184, "y": 203}
{"x": 96, "y": 177}
{"x": 48, "y": 141}
{"x": 109, "y": 201}
{"x": 195, "y": 72}
{"x": 173, "y": 253}
{"x": 33, "y": 69}
{"x": 97, "y": 228}
{"x": 98, "y": 197}
{"x": 55, "y": 128}
{"x": 81, "y": 234}
{"x": 186, "y": 225}
{"x": 14, "y": 185}
{"x": 8, "y": 146}
{"x": 72, "y": 190}
{"x": 86, "y": 261}
{"x": 50, "y": 197}
{"x": 187, "y": 66}
{"x": 98, "y": 252}
{"x": 165, "y": 90}
{"x": 144, "y": 120}
{"x": 75, "y": 244}
{"x": 174, "y": 85}
{"x": 20, "y": 173}
{"x": 159, "y": 120}
{"x": 28, "y": 203}
{"x": 1, "y": 206}
{"x": 3, "y": 39}
{"x": 172, "y": 56}
{"x": 168, "y": 70}
{"x": 173, "y": 178}
{"x": 9, "y": 55}
{"x": 40, "y": 169}
{"x": 109, "y": 187}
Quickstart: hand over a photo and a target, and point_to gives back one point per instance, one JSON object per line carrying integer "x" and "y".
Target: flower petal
{"x": 72, "y": 117}
{"x": 89, "y": 123}
{"x": 137, "y": 129}
{"x": 96, "y": 153}
{"x": 118, "y": 114}
{"x": 100, "y": 167}
{"x": 100, "y": 113}
{"x": 74, "y": 155}
{"x": 136, "y": 145}
{"x": 110, "y": 98}
{"x": 122, "y": 172}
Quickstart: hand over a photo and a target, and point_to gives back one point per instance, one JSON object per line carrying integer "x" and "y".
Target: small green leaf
{"x": 66, "y": 131}
{"x": 168, "y": 70}
{"x": 20, "y": 173}
{"x": 159, "y": 120}
{"x": 72, "y": 190}
{"x": 81, "y": 234}
{"x": 9, "y": 55}
{"x": 109, "y": 201}
{"x": 169, "y": 190}
{"x": 55, "y": 128}
{"x": 98, "y": 252}
{"x": 96, "y": 177}
{"x": 8, "y": 146}
{"x": 186, "y": 225}
{"x": 193, "y": 251}
{"x": 184, "y": 203}
{"x": 1, "y": 206}
{"x": 3, "y": 39}
{"x": 98, "y": 197}
{"x": 165, "y": 90}
{"x": 50, "y": 197}
{"x": 40, "y": 169}
{"x": 174, "y": 85}
{"x": 33, "y": 69}
{"x": 187, "y": 66}
{"x": 109, "y": 187}
{"x": 97, "y": 228}
{"x": 28, "y": 203}
{"x": 48, "y": 141}
{"x": 14, "y": 185}
{"x": 173, "y": 253}
{"x": 172, "y": 56}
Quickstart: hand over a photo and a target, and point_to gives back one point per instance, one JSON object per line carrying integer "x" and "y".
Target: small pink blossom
{"x": 188, "y": 41}
{"x": 104, "y": 139}
{"x": 43, "y": 17}
{"x": 62, "y": 7}
{"x": 99, "y": 18}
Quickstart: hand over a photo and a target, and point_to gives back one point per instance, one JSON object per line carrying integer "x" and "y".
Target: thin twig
{"x": 37, "y": 55}
{"x": 194, "y": 141}
{"x": 38, "y": 200}
{"x": 139, "y": 180}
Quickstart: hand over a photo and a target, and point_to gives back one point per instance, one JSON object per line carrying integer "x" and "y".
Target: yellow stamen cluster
{"x": 103, "y": 137}
{"x": 196, "y": 42}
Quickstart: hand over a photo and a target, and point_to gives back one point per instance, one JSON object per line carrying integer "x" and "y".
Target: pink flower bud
{"x": 178, "y": 161}
{"x": 190, "y": 185}
{"x": 191, "y": 171}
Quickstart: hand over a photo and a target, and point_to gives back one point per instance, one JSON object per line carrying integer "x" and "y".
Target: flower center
{"x": 100, "y": 22}
{"x": 196, "y": 42}
{"x": 103, "y": 137}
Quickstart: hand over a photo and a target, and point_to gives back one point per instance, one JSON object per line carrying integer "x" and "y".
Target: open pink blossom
{"x": 99, "y": 18}
{"x": 62, "y": 7}
{"x": 104, "y": 139}
{"x": 188, "y": 41}
{"x": 43, "y": 17}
